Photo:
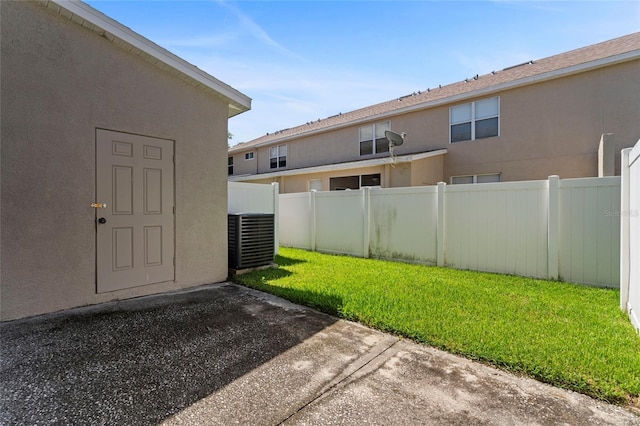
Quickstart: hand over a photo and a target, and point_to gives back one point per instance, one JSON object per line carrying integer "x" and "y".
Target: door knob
{"x": 102, "y": 220}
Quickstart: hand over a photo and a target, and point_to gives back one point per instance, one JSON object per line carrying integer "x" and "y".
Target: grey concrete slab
{"x": 224, "y": 354}
{"x": 141, "y": 361}
{"x": 287, "y": 383}
{"x": 414, "y": 384}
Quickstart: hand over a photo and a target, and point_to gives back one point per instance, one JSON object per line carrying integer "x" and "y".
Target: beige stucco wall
{"x": 342, "y": 145}
{"x": 328, "y": 148}
{"x": 60, "y": 82}
{"x": 555, "y": 127}
{"x": 547, "y": 128}
{"x": 244, "y": 167}
{"x": 428, "y": 171}
{"x": 401, "y": 175}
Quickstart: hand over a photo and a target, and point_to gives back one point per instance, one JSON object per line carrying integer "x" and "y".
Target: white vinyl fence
{"x": 559, "y": 229}
{"x": 254, "y": 198}
{"x": 397, "y": 231}
{"x": 498, "y": 227}
{"x": 629, "y": 214}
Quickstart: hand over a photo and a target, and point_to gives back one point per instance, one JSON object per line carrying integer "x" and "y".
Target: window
{"x": 315, "y": 184}
{"x": 345, "y": 182}
{"x": 248, "y": 155}
{"x": 488, "y": 178}
{"x": 230, "y": 165}
{"x": 475, "y": 120}
{"x": 353, "y": 182}
{"x": 278, "y": 157}
{"x": 370, "y": 180}
{"x": 372, "y": 140}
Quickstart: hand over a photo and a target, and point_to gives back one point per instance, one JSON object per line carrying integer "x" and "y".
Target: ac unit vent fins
{"x": 251, "y": 240}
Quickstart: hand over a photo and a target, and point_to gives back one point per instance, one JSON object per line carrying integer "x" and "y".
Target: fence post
{"x": 367, "y": 221}
{"x": 625, "y": 232}
{"x": 276, "y": 216}
{"x": 312, "y": 196}
{"x": 440, "y": 230}
{"x": 553, "y": 194}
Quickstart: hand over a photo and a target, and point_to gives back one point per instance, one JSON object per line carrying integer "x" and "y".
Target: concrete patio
{"x": 223, "y": 354}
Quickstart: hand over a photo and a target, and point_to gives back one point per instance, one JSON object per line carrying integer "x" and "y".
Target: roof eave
{"x": 115, "y": 32}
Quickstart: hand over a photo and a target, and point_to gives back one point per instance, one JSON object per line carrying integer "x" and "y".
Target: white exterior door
{"x": 135, "y": 232}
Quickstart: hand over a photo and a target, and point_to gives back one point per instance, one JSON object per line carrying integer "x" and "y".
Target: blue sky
{"x": 304, "y": 60}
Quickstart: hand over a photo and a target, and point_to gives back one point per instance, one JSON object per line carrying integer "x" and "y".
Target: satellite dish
{"x": 395, "y": 139}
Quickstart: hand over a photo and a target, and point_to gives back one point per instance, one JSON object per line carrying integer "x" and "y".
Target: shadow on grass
{"x": 266, "y": 279}
{"x": 328, "y": 303}
{"x": 288, "y": 261}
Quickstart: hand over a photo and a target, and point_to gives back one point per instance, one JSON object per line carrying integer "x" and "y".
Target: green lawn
{"x": 571, "y": 336}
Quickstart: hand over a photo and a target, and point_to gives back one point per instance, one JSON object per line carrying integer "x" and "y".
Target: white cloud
{"x": 258, "y": 32}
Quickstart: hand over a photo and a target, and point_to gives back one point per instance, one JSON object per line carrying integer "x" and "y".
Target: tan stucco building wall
{"x": 548, "y": 128}
{"x": 555, "y": 127}
{"x": 428, "y": 171}
{"x": 59, "y": 83}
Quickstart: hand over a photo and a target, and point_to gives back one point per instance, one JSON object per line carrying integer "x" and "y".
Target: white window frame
{"x": 373, "y": 135}
{"x": 473, "y": 119}
{"x": 278, "y": 156}
{"x": 475, "y": 178}
{"x": 249, "y": 155}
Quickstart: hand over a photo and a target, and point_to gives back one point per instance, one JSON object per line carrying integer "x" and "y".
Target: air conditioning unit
{"x": 251, "y": 240}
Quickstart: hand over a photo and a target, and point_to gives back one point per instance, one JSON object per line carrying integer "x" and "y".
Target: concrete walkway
{"x": 224, "y": 354}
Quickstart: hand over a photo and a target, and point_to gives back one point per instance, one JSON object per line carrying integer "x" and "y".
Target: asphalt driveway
{"x": 224, "y": 354}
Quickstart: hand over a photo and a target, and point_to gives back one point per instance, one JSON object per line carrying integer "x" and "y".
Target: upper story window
{"x": 230, "y": 165}
{"x": 475, "y": 120}
{"x": 278, "y": 157}
{"x": 372, "y": 140}
{"x": 248, "y": 155}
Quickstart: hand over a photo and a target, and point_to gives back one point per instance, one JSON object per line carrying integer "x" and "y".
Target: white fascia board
{"x": 538, "y": 78}
{"x": 340, "y": 166}
{"x": 424, "y": 155}
{"x": 238, "y": 102}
